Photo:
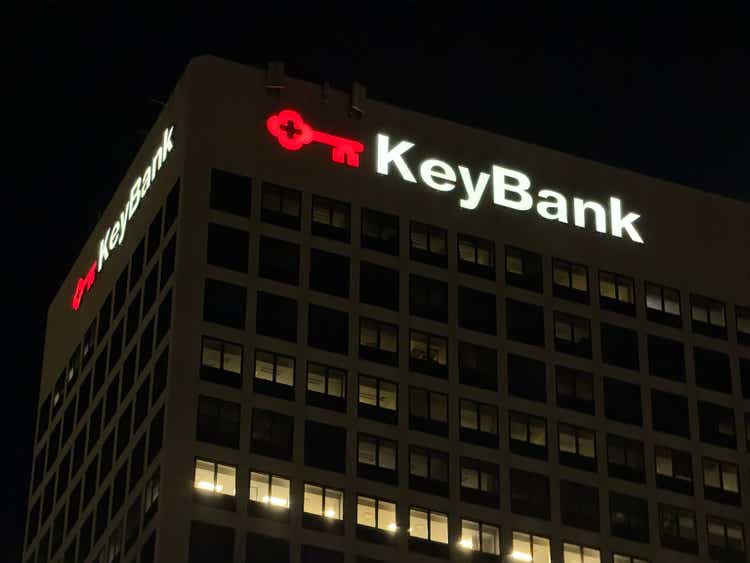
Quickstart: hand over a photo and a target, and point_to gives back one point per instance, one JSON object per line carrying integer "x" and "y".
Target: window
{"x": 328, "y": 329}
{"x": 330, "y": 219}
{"x": 674, "y": 470}
{"x": 477, "y": 310}
{"x": 274, "y": 374}
{"x": 209, "y": 542}
{"x": 276, "y": 316}
{"x": 625, "y": 459}
{"x": 747, "y": 432}
{"x": 716, "y": 424}
{"x": 428, "y": 244}
{"x": 478, "y": 423}
{"x": 428, "y": 298}
{"x": 380, "y": 231}
{"x": 708, "y": 316}
{"x": 579, "y": 505}
{"x": 154, "y": 235}
{"x": 376, "y": 458}
{"x": 670, "y": 413}
{"x": 481, "y": 537}
{"x": 575, "y": 389}
{"x": 428, "y": 354}
{"x": 572, "y": 335}
{"x": 265, "y": 549}
{"x": 744, "y": 379}
{"x": 743, "y": 324}
{"x": 529, "y": 494}
{"x": 378, "y": 341}
{"x": 620, "y": 347}
{"x": 269, "y": 489}
{"x": 480, "y": 482}
{"x": 628, "y": 517}
{"x": 721, "y": 481}
{"x": 280, "y": 206}
{"x": 227, "y": 247}
{"x": 577, "y": 447}
{"x": 726, "y": 539}
{"x": 324, "y": 501}
{"x": 215, "y": 481}
{"x": 663, "y": 305}
{"x": 622, "y": 401}
{"x": 525, "y": 322}
{"x": 573, "y": 553}
{"x": 677, "y": 529}
{"x": 376, "y": 513}
{"x": 230, "y": 193}
{"x": 477, "y": 366}
{"x": 528, "y": 435}
{"x": 326, "y": 386}
{"x": 224, "y": 303}
{"x": 428, "y": 470}
{"x": 329, "y": 273}
{"x": 535, "y": 549}
{"x": 523, "y": 269}
{"x": 428, "y": 525}
{"x": 570, "y": 281}
{"x": 527, "y": 378}
{"x": 476, "y": 256}
{"x": 218, "y": 422}
{"x": 378, "y": 399}
{"x": 272, "y": 434}
{"x": 619, "y": 558}
{"x": 325, "y": 446}
{"x": 278, "y": 260}
{"x": 712, "y": 370}
{"x": 221, "y": 362}
{"x": 428, "y": 411}
{"x": 378, "y": 285}
{"x": 617, "y": 293}
{"x": 666, "y": 358}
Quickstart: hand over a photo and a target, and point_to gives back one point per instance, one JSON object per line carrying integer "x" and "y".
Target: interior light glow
{"x": 466, "y": 543}
{"x": 205, "y": 485}
{"x": 275, "y": 501}
{"x": 392, "y": 527}
{"x": 330, "y": 513}
{"x": 520, "y": 556}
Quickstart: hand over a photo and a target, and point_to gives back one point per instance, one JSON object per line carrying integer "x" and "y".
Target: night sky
{"x": 658, "y": 93}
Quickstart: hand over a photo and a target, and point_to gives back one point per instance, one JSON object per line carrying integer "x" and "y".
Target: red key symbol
{"x": 293, "y": 133}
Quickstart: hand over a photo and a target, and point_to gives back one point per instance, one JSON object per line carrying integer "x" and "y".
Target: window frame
{"x": 428, "y": 424}
{"x": 377, "y": 471}
{"x": 427, "y": 255}
{"x": 328, "y": 230}
{"x": 487, "y": 474}
{"x": 567, "y": 291}
{"x": 679, "y": 542}
{"x": 326, "y": 399}
{"x": 722, "y": 552}
{"x": 377, "y": 411}
{"x": 481, "y": 527}
{"x": 722, "y": 494}
{"x": 429, "y": 513}
{"x": 675, "y": 481}
{"x": 576, "y": 459}
{"x": 378, "y": 353}
{"x": 660, "y": 314}
{"x": 576, "y": 346}
{"x": 742, "y": 314}
{"x": 273, "y": 386}
{"x": 616, "y": 303}
{"x": 526, "y": 447}
{"x": 212, "y": 496}
{"x": 582, "y": 550}
{"x": 268, "y": 504}
{"x": 324, "y": 489}
{"x": 429, "y": 483}
{"x": 707, "y": 327}
{"x": 391, "y": 528}
{"x": 531, "y": 542}
{"x": 280, "y": 216}
{"x": 427, "y": 365}
{"x": 475, "y": 435}
{"x": 371, "y": 217}
{"x": 626, "y": 471}
{"x": 476, "y": 244}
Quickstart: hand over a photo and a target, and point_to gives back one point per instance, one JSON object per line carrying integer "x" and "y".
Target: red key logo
{"x": 293, "y": 133}
{"x": 83, "y": 285}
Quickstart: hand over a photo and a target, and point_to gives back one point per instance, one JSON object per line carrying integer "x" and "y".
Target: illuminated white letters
{"x": 386, "y": 156}
{"x": 432, "y": 170}
{"x": 473, "y": 191}
{"x": 556, "y": 210}
{"x": 619, "y": 222}
{"x": 579, "y": 214}
{"x": 520, "y": 188}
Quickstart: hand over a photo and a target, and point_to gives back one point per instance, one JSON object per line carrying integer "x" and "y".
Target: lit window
{"x": 573, "y": 553}
{"x": 329, "y": 216}
{"x": 427, "y": 239}
{"x": 577, "y": 441}
{"x": 269, "y": 489}
{"x": 616, "y": 287}
{"x": 274, "y": 367}
{"x": 570, "y": 275}
{"x": 664, "y": 299}
{"x": 378, "y": 335}
{"x": 221, "y": 355}
{"x": 721, "y": 475}
{"x": 280, "y": 205}
{"x": 428, "y": 525}
{"x": 323, "y": 501}
{"x": 527, "y": 547}
{"x": 428, "y": 348}
{"x": 476, "y": 251}
{"x": 150, "y": 494}
{"x": 215, "y": 478}
{"x": 376, "y": 513}
{"x": 326, "y": 380}
{"x": 708, "y": 311}
{"x": 478, "y": 416}
{"x": 725, "y": 536}
{"x": 477, "y": 536}
{"x": 377, "y": 451}
{"x": 378, "y": 393}
{"x": 619, "y": 558}
{"x": 673, "y": 464}
{"x": 572, "y": 329}
{"x": 514, "y": 261}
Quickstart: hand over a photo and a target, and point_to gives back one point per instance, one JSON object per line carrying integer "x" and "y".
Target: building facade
{"x": 312, "y": 327}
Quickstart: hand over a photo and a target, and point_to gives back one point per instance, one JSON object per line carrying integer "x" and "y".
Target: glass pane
{"x": 625, "y": 290}
{"x": 368, "y": 391}
{"x": 711, "y": 473}
{"x": 663, "y": 462}
{"x": 580, "y": 278}
{"x": 438, "y": 242}
{"x": 563, "y": 329}
{"x": 487, "y": 482}
{"x": 419, "y": 464}
{"x": 367, "y": 450}
{"x": 469, "y": 478}
{"x": 560, "y": 274}
{"x": 469, "y": 415}
{"x": 490, "y": 540}
{"x": 285, "y": 370}
{"x": 671, "y": 302}
{"x": 418, "y": 346}
{"x": 521, "y": 544}
{"x": 653, "y": 297}
{"x": 388, "y": 339}
{"x": 487, "y": 419}
{"x": 321, "y": 213}
{"x": 572, "y": 553}
{"x": 204, "y": 475}
{"x": 591, "y": 555}
{"x": 567, "y": 440}
{"x": 280, "y": 492}
{"x": 418, "y": 524}
{"x": 211, "y": 354}
{"x": 366, "y": 511}
{"x": 340, "y": 217}
{"x": 621, "y": 559}
{"x": 518, "y": 429}
{"x": 717, "y": 314}
{"x": 743, "y": 321}
{"x": 730, "y": 478}
{"x": 514, "y": 264}
{"x": 387, "y": 454}
{"x": 387, "y": 396}
{"x": 439, "y": 467}
{"x": 368, "y": 334}
{"x": 334, "y": 504}
{"x": 537, "y": 433}
{"x": 466, "y": 251}
{"x": 418, "y": 403}
{"x": 226, "y": 480}
{"x": 290, "y": 205}
{"x": 687, "y": 525}
{"x": 233, "y": 358}
{"x": 699, "y": 313}
{"x": 316, "y": 378}
{"x": 542, "y": 552}
{"x": 336, "y": 384}
{"x": 418, "y": 238}
{"x": 715, "y": 533}
{"x": 439, "y": 407}
{"x": 584, "y": 389}
{"x": 438, "y": 527}
{"x": 264, "y": 366}
{"x": 484, "y": 258}
{"x": 313, "y": 502}
{"x": 470, "y": 538}
{"x": 387, "y": 516}
{"x": 271, "y": 199}
{"x": 735, "y": 539}
{"x": 607, "y": 285}
{"x": 439, "y": 350}
{"x": 587, "y": 444}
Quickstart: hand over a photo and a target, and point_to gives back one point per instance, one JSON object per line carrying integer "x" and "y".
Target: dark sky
{"x": 657, "y": 92}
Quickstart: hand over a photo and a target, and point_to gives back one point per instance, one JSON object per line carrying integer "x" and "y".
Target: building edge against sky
{"x": 421, "y": 169}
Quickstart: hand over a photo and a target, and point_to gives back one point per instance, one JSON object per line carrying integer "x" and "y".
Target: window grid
{"x": 570, "y": 275}
{"x": 326, "y": 380}
{"x": 270, "y": 489}
{"x": 273, "y": 367}
{"x": 478, "y": 416}
{"x": 616, "y": 286}
{"x": 429, "y": 525}
{"x": 428, "y": 238}
{"x": 663, "y": 298}
{"x": 378, "y": 392}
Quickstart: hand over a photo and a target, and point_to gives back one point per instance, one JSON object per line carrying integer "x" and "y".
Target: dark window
{"x": 164, "y": 322}
{"x": 677, "y": 529}
{"x": 525, "y": 322}
{"x": 330, "y": 218}
{"x": 743, "y": 324}
{"x": 622, "y": 401}
{"x": 218, "y": 422}
{"x": 74, "y": 506}
{"x": 155, "y": 436}
{"x": 328, "y": 329}
{"x": 88, "y": 343}
{"x": 477, "y": 310}
{"x": 378, "y": 341}
{"x": 380, "y": 231}
{"x": 329, "y": 273}
{"x": 102, "y": 515}
{"x": 110, "y": 406}
{"x": 428, "y": 298}
{"x": 136, "y": 462}
{"x": 150, "y": 288}
{"x": 148, "y": 549}
{"x": 617, "y": 293}
{"x": 478, "y": 423}
{"x": 378, "y": 399}
{"x": 377, "y": 459}
{"x": 708, "y": 316}
{"x": 278, "y": 260}
{"x": 39, "y": 463}
{"x": 105, "y": 312}
{"x": 43, "y": 418}
{"x": 620, "y": 346}
{"x": 265, "y": 549}
{"x": 528, "y": 435}
{"x": 123, "y": 430}
{"x": 663, "y": 305}
{"x": 84, "y": 397}
{"x": 527, "y": 378}
{"x": 272, "y": 434}
{"x": 428, "y": 354}
{"x": 529, "y": 494}
{"x": 674, "y": 470}
{"x": 221, "y": 362}
{"x": 325, "y": 446}
{"x": 151, "y": 496}
{"x": 570, "y": 281}
{"x": 476, "y": 256}
{"x": 480, "y": 482}
{"x": 227, "y": 247}
{"x": 121, "y": 293}
{"x": 326, "y": 387}
{"x": 69, "y": 419}
{"x": 378, "y": 285}
{"x": 576, "y": 447}
{"x": 171, "y": 208}
{"x": 721, "y": 481}
{"x": 115, "y": 349}
{"x": 141, "y": 404}
{"x": 726, "y": 539}
{"x": 314, "y": 554}
{"x": 49, "y": 499}
{"x": 132, "y": 524}
{"x": 477, "y": 366}
{"x": 210, "y": 542}
{"x": 625, "y": 459}
{"x": 63, "y": 474}
{"x": 119, "y": 486}
{"x": 136, "y": 263}
{"x": 579, "y": 505}
{"x": 274, "y": 374}
{"x": 154, "y": 236}
{"x": 276, "y": 316}
{"x": 523, "y": 269}
{"x": 744, "y": 378}
{"x": 89, "y": 489}
{"x": 230, "y": 193}
{"x": 133, "y": 318}
{"x": 572, "y": 335}
{"x": 628, "y": 517}
{"x": 666, "y": 358}
{"x": 79, "y": 451}
{"x": 84, "y": 543}
{"x": 280, "y": 206}
{"x": 712, "y": 370}
{"x": 717, "y": 425}
{"x": 428, "y": 470}
{"x": 224, "y": 303}
{"x": 428, "y": 411}
{"x": 428, "y": 244}
{"x": 669, "y": 413}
